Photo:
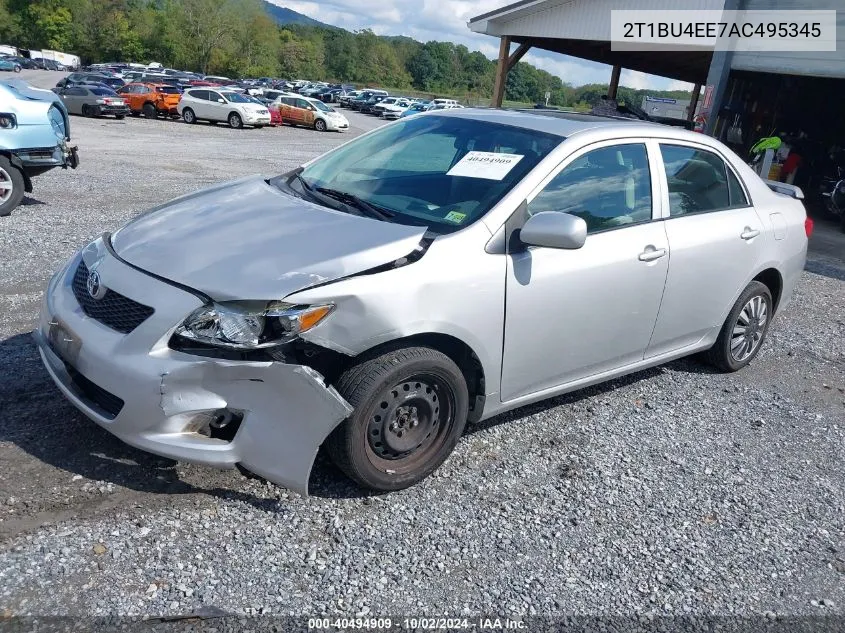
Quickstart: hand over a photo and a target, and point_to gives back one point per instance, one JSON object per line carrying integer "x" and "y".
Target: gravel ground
{"x": 673, "y": 491}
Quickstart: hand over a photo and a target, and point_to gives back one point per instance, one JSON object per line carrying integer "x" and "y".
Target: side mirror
{"x": 554, "y": 230}
{"x": 221, "y": 101}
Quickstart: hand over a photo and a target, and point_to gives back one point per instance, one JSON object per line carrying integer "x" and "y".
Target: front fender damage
{"x": 288, "y": 410}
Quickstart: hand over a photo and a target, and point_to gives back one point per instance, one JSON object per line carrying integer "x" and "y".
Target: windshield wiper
{"x": 369, "y": 209}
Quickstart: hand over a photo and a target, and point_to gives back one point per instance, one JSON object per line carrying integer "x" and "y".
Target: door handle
{"x": 749, "y": 233}
{"x": 650, "y": 254}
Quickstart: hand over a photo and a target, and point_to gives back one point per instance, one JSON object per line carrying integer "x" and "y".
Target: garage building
{"x": 797, "y": 96}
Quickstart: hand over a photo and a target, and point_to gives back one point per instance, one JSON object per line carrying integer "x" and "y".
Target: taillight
{"x": 808, "y": 226}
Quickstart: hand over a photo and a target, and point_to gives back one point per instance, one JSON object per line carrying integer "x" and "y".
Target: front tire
{"x": 11, "y": 186}
{"x": 235, "y": 121}
{"x": 410, "y": 409}
{"x": 320, "y": 125}
{"x": 745, "y": 329}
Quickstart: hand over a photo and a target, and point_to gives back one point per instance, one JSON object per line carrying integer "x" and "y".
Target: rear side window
{"x": 202, "y": 95}
{"x": 697, "y": 179}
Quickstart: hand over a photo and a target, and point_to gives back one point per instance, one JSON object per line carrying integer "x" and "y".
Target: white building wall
{"x": 821, "y": 64}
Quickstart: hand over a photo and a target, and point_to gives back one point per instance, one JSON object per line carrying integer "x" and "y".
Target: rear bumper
{"x": 160, "y": 400}
{"x": 43, "y": 158}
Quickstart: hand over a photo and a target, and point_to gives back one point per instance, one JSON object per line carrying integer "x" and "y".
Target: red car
{"x": 275, "y": 115}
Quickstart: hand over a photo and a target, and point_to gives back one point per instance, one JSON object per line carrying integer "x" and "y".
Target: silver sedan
{"x": 443, "y": 269}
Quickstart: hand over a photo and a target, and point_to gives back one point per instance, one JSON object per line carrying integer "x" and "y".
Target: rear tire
{"x": 10, "y": 176}
{"x": 744, "y": 331}
{"x": 120, "y": 117}
{"x": 87, "y": 111}
{"x": 150, "y": 111}
{"x": 188, "y": 116}
{"x": 410, "y": 409}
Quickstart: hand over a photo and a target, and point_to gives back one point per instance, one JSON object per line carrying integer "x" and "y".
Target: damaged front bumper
{"x": 39, "y": 159}
{"x": 167, "y": 402}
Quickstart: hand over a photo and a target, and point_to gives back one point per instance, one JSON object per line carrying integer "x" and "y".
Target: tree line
{"x": 237, "y": 38}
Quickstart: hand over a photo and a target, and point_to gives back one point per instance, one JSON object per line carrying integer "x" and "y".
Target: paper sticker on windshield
{"x": 486, "y": 165}
{"x": 455, "y": 217}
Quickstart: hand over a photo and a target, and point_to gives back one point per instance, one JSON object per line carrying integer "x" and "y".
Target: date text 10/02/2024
{"x": 416, "y": 624}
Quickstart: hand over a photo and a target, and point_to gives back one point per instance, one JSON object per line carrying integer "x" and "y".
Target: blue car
{"x": 34, "y": 137}
{"x": 415, "y": 108}
{"x": 10, "y": 65}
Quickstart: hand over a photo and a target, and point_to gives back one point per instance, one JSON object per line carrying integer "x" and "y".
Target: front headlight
{"x": 57, "y": 120}
{"x": 250, "y": 324}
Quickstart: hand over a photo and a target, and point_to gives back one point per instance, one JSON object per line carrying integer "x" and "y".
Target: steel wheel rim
{"x": 409, "y": 422}
{"x": 749, "y": 328}
{"x": 7, "y": 186}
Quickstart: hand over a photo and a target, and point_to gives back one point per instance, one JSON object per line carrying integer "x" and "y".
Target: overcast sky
{"x": 446, "y": 20}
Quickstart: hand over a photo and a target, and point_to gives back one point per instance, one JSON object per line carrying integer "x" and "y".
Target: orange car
{"x": 151, "y": 99}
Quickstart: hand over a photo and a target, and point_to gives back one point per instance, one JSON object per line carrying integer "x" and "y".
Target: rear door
{"x": 715, "y": 240}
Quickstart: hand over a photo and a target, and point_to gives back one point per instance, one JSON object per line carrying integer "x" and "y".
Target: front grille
{"x": 113, "y": 310}
{"x": 109, "y": 404}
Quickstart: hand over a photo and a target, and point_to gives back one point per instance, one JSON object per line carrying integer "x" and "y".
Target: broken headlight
{"x": 250, "y": 324}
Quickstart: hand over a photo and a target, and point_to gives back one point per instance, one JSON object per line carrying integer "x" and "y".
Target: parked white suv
{"x": 204, "y": 104}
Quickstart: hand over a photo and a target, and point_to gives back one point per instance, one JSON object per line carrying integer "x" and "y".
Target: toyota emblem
{"x": 95, "y": 287}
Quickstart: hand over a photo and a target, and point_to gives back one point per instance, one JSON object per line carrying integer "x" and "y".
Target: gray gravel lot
{"x": 673, "y": 491}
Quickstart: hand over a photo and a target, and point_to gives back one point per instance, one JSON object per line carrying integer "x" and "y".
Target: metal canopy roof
{"x": 581, "y": 28}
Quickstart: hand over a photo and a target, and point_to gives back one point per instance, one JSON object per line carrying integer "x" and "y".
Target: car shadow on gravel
{"x": 39, "y": 421}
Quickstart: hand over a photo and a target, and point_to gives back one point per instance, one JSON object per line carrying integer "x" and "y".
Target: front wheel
{"x": 188, "y": 116}
{"x": 744, "y": 330}
{"x": 11, "y": 186}
{"x": 410, "y": 409}
{"x": 320, "y": 125}
{"x": 235, "y": 121}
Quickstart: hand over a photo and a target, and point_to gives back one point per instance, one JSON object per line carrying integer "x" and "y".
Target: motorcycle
{"x": 832, "y": 189}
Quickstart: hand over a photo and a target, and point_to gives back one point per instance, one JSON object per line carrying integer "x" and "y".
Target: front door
{"x": 215, "y": 110}
{"x": 716, "y": 238}
{"x": 571, "y": 314}
{"x": 304, "y": 113}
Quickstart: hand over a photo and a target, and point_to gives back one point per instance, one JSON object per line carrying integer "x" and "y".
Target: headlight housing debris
{"x": 246, "y": 325}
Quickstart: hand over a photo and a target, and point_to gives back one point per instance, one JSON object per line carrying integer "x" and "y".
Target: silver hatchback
{"x": 445, "y": 268}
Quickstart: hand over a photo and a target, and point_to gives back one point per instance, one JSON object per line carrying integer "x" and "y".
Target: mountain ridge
{"x": 283, "y": 16}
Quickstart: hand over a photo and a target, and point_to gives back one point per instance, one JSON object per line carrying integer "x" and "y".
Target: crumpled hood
{"x": 248, "y": 240}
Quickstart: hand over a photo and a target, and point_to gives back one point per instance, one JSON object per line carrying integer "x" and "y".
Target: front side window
{"x": 608, "y": 187}
{"x": 214, "y": 96}
{"x": 697, "y": 180}
{"x": 302, "y": 104}
{"x": 236, "y": 97}
{"x": 421, "y": 172}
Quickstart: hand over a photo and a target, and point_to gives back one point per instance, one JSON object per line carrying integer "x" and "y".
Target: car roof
{"x": 566, "y": 124}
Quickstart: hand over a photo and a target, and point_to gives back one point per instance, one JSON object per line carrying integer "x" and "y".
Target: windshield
{"x": 438, "y": 171}
{"x": 236, "y": 97}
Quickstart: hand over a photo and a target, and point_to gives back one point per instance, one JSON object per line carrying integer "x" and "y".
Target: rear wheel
{"x": 411, "y": 407}
{"x": 87, "y": 110}
{"x": 11, "y": 186}
{"x": 119, "y": 117}
{"x": 235, "y": 121}
{"x": 188, "y": 116}
{"x": 744, "y": 331}
{"x": 150, "y": 111}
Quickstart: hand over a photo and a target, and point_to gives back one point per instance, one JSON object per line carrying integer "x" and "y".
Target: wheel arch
{"x": 467, "y": 360}
{"x": 773, "y": 280}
